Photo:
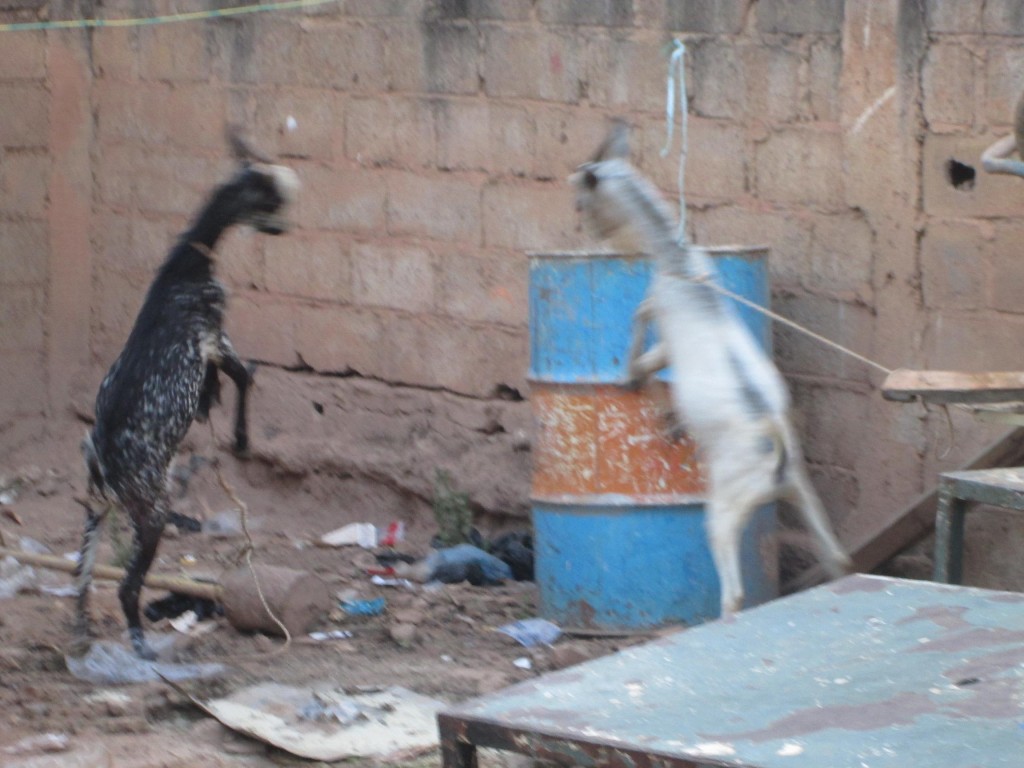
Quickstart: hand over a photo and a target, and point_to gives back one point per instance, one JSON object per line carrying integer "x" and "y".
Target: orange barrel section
{"x": 617, "y": 505}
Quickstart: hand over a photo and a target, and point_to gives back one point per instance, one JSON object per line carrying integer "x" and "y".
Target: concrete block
{"x": 788, "y": 236}
{"x": 1004, "y": 82}
{"x": 801, "y": 166}
{"x": 565, "y": 138}
{"x": 463, "y": 131}
{"x": 724, "y": 17}
{"x": 626, "y": 73}
{"x": 847, "y": 324}
{"x": 601, "y": 13}
{"x": 973, "y": 342}
{"x": 127, "y": 243}
{"x": 451, "y": 58}
{"x": 319, "y": 123}
{"x": 310, "y": 264}
{"x": 390, "y": 131}
{"x": 834, "y": 424}
{"x": 351, "y": 57}
{"x": 534, "y": 217}
{"x": 954, "y": 269}
{"x": 487, "y": 287}
{"x": 716, "y": 163}
{"x": 948, "y": 82}
{"x": 842, "y": 256}
{"x": 435, "y": 207}
{"x": 378, "y": 8}
{"x": 23, "y": 56}
{"x": 718, "y": 80}
{"x": 115, "y": 54}
{"x": 23, "y": 385}
{"x": 189, "y": 117}
{"x": 841, "y": 493}
{"x": 116, "y": 185}
{"x": 826, "y": 64}
{"x": 24, "y": 184}
{"x": 26, "y": 120}
{"x": 532, "y": 64}
{"x": 800, "y": 17}
{"x": 347, "y": 200}
{"x": 396, "y": 277}
{"x": 118, "y": 296}
{"x": 338, "y": 339}
{"x": 174, "y": 185}
{"x": 262, "y": 327}
{"x": 467, "y": 358}
{"x": 774, "y": 91}
{"x": 1006, "y": 268}
{"x": 1002, "y": 17}
{"x": 175, "y": 53}
{"x": 956, "y": 186}
{"x": 22, "y": 309}
{"x": 953, "y": 18}
{"x": 26, "y": 250}
{"x": 513, "y": 138}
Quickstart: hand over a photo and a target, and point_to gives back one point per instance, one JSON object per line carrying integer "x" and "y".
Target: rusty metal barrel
{"x": 618, "y": 507}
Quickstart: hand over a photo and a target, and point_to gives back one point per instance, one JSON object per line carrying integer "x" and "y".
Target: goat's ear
{"x": 615, "y": 144}
{"x": 241, "y": 149}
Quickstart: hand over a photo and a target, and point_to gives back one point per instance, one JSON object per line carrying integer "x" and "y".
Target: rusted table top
{"x": 865, "y": 672}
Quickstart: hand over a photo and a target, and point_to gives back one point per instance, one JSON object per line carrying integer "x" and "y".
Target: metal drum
{"x": 617, "y": 508}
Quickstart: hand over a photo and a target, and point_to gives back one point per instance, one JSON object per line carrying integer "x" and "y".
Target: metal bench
{"x": 957, "y": 491}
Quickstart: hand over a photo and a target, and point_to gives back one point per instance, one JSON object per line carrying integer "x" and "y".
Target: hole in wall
{"x": 960, "y": 175}
{"x": 318, "y": 407}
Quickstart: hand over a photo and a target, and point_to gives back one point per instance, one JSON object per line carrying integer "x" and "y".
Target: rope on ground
{"x": 247, "y": 550}
{"x": 173, "y": 18}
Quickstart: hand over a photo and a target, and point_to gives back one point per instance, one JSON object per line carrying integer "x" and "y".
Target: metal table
{"x": 865, "y": 672}
{"x": 957, "y": 491}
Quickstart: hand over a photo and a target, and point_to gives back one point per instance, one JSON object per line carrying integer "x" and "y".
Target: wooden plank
{"x": 954, "y": 386}
{"x": 917, "y": 520}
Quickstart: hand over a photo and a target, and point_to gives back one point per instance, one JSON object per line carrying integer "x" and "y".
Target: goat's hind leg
{"x": 83, "y": 575}
{"x": 802, "y": 496}
{"x": 241, "y": 374}
{"x": 148, "y": 521}
{"x": 209, "y": 395}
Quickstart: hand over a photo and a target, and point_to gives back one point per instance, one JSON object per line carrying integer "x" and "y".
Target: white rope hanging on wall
{"x": 677, "y": 71}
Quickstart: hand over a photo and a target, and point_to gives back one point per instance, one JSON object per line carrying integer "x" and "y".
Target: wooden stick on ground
{"x": 179, "y": 584}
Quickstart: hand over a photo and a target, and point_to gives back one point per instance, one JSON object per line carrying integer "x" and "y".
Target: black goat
{"x": 166, "y": 377}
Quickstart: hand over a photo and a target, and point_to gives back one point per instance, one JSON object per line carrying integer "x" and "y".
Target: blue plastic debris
{"x": 364, "y": 607}
{"x": 531, "y": 632}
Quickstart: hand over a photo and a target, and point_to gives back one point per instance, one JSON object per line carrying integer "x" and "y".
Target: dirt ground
{"x": 450, "y": 649}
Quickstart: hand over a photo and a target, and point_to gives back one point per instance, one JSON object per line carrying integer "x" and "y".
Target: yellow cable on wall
{"x": 167, "y": 19}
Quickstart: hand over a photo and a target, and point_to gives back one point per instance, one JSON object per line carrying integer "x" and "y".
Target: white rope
{"x": 677, "y": 68}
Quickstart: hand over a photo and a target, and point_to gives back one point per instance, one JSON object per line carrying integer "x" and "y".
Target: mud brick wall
{"x": 433, "y": 138}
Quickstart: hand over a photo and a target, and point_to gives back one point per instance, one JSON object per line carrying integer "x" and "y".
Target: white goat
{"x": 725, "y": 390}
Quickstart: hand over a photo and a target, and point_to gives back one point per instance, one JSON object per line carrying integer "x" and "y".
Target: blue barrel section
{"x": 617, "y": 509}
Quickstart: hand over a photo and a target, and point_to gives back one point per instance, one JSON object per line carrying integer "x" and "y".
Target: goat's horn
{"x": 242, "y": 150}
{"x": 616, "y": 143}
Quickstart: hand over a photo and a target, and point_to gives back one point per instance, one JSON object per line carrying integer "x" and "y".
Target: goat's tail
{"x": 792, "y": 475}
{"x": 97, "y": 480}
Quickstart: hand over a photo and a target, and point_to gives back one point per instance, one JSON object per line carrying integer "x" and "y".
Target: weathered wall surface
{"x": 433, "y": 139}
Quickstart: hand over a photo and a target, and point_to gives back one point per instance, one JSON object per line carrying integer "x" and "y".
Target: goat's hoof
{"x": 241, "y": 450}
{"x": 80, "y": 644}
{"x": 141, "y": 647}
